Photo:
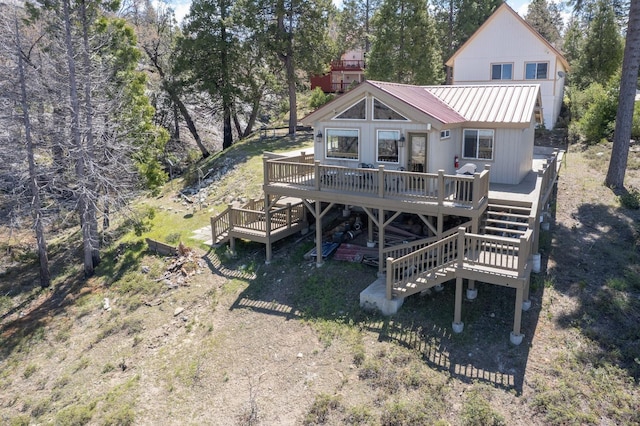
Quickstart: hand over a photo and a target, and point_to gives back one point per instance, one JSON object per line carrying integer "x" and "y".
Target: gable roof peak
{"x": 504, "y": 7}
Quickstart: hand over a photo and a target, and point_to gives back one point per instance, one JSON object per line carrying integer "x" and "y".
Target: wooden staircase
{"x": 505, "y": 227}
{"x": 506, "y": 218}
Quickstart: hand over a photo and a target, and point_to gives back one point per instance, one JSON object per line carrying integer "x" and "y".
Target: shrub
{"x": 598, "y": 120}
{"x": 319, "y": 98}
{"x": 630, "y": 199}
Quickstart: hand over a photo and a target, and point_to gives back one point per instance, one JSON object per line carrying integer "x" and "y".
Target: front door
{"x": 417, "y": 152}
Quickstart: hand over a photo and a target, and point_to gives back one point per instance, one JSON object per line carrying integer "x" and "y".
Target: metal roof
{"x": 474, "y": 103}
{"x": 421, "y": 99}
{"x": 491, "y": 103}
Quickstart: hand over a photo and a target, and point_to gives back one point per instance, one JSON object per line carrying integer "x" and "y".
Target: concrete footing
{"x": 516, "y": 339}
{"x": 472, "y": 293}
{"x": 536, "y": 263}
{"x": 374, "y": 297}
{"x": 526, "y": 305}
{"x": 457, "y": 327}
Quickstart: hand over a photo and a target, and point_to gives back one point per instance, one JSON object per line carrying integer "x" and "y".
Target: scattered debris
{"x": 105, "y": 304}
{"x": 178, "y": 311}
{"x": 181, "y": 267}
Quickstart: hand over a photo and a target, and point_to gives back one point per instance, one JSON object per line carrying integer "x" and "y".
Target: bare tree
{"x": 23, "y": 95}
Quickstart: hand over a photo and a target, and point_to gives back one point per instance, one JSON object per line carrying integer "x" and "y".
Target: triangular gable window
{"x": 357, "y": 111}
{"x": 383, "y": 112}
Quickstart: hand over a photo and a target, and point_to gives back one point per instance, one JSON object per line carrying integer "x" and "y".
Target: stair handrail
{"x": 221, "y": 223}
{"x": 433, "y": 257}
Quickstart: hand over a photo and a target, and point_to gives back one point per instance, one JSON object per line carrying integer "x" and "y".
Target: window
{"x": 536, "y": 70}
{"x": 354, "y": 112}
{"x": 383, "y": 112}
{"x": 388, "y": 146}
{"x": 445, "y": 134}
{"x": 342, "y": 143}
{"x": 478, "y": 144}
{"x": 501, "y": 71}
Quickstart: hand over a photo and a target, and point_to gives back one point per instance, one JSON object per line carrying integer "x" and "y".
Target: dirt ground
{"x": 241, "y": 344}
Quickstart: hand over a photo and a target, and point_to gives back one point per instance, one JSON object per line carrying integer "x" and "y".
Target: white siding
{"x": 507, "y": 40}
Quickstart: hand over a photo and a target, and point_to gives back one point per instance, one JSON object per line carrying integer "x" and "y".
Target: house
{"x": 431, "y": 128}
{"x": 455, "y": 163}
{"x": 506, "y": 49}
{"x": 345, "y": 73}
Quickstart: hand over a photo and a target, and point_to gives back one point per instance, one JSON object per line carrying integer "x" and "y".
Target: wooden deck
{"x": 411, "y": 192}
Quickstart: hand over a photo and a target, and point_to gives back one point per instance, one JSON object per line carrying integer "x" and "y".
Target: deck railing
{"x": 252, "y": 216}
{"x": 460, "y": 250}
{"x": 221, "y": 224}
{"x": 462, "y": 190}
{"x": 401, "y": 250}
{"x": 433, "y": 257}
{"x": 492, "y": 251}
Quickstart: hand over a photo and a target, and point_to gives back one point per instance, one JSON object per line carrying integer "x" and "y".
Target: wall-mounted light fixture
{"x": 401, "y": 140}
{"x": 319, "y": 136}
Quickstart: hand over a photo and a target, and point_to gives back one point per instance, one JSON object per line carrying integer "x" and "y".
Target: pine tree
{"x": 626, "y": 101}
{"x": 405, "y": 47}
{"x": 602, "y": 50}
{"x": 545, "y": 19}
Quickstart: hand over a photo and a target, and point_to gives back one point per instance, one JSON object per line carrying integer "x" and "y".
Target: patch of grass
{"x": 81, "y": 364}
{"x": 477, "y": 410}
{"x": 62, "y": 382}
{"x": 39, "y": 407}
{"x": 399, "y": 413}
{"x": 5, "y": 303}
{"x": 108, "y": 367}
{"x": 22, "y": 420}
{"x": 75, "y": 415}
{"x": 119, "y": 404}
{"x": 29, "y": 371}
{"x": 359, "y": 415}
{"x": 322, "y": 407}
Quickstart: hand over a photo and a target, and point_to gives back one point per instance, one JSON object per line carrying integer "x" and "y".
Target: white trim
{"x": 326, "y": 144}
{"x": 335, "y": 116}
{"x": 477, "y": 148}
{"x": 373, "y": 116}
{"x": 378, "y": 147}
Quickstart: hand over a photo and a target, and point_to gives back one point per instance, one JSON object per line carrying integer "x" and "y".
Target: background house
{"x": 344, "y": 75}
{"x": 506, "y": 49}
{"x": 430, "y": 128}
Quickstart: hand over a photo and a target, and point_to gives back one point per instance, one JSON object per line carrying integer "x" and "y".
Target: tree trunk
{"x": 177, "y": 102}
{"x": 90, "y": 147}
{"x": 78, "y": 147}
{"x": 626, "y": 100}
{"x": 190, "y": 124}
{"x": 36, "y": 207}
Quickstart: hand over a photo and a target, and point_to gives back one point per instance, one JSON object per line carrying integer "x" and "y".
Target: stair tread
{"x": 507, "y": 222}
{"x": 505, "y": 230}
{"x": 508, "y": 214}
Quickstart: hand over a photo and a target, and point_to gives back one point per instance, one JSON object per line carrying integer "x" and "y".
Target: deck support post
{"x": 232, "y": 245}
{"x": 526, "y": 303}
{"x": 318, "y": 215}
{"x": 458, "y": 325}
{"x": 267, "y": 228}
{"x": 369, "y": 228}
{"x": 516, "y": 336}
{"x": 380, "y": 239}
{"x": 472, "y": 291}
